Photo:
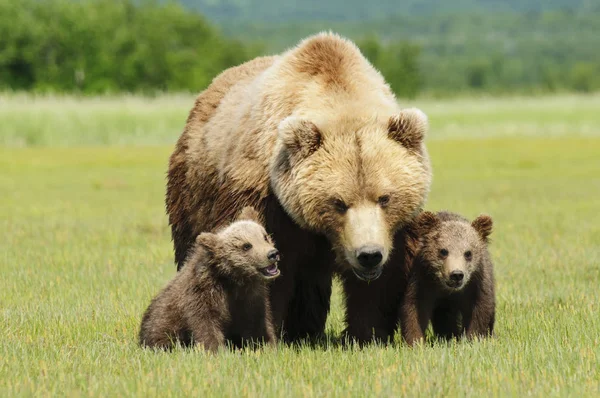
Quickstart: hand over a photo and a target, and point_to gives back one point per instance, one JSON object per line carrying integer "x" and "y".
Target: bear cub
{"x": 220, "y": 295}
{"x": 451, "y": 279}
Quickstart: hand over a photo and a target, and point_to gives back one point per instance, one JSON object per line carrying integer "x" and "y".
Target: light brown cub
{"x": 221, "y": 293}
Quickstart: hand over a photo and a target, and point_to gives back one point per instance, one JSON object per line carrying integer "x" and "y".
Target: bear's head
{"x": 356, "y": 181}
{"x": 450, "y": 247}
{"x": 241, "y": 250}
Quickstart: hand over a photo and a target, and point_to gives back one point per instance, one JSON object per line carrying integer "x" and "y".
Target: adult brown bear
{"x": 315, "y": 140}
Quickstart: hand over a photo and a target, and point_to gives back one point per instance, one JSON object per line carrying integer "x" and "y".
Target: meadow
{"x": 85, "y": 244}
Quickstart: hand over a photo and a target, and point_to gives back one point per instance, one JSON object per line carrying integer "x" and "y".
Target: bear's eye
{"x": 266, "y": 238}
{"x": 246, "y": 246}
{"x": 468, "y": 255}
{"x": 383, "y": 200}
{"x": 340, "y": 206}
{"x": 443, "y": 253}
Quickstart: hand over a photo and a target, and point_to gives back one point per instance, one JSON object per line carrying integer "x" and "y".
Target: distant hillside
{"x": 441, "y": 47}
{"x": 357, "y": 10}
{"x": 482, "y": 45}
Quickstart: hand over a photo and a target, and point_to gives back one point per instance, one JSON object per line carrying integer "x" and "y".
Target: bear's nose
{"x": 273, "y": 255}
{"x": 369, "y": 257}
{"x": 457, "y": 276}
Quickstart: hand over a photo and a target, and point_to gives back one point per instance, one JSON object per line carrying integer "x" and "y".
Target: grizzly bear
{"x": 315, "y": 140}
{"x": 451, "y": 280}
{"x": 220, "y": 295}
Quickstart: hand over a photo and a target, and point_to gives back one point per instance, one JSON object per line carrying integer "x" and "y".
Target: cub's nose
{"x": 369, "y": 257}
{"x": 273, "y": 255}
{"x": 457, "y": 276}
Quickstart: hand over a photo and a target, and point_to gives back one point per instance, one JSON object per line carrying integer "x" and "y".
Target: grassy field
{"x": 29, "y": 121}
{"x": 84, "y": 245}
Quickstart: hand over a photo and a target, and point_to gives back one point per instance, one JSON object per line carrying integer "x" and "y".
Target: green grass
{"x": 84, "y": 245}
{"x": 27, "y": 120}
{"x": 32, "y": 121}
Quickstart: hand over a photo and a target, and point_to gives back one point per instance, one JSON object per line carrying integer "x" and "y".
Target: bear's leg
{"x": 478, "y": 319}
{"x": 371, "y": 307}
{"x": 416, "y": 311}
{"x": 257, "y": 334}
{"x": 281, "y": 292}
{"x": 206, "y": 330}
{"x": 308, "y": 308}
{"x": 257, "y": 328}
{"x": 300, "y": 296}
{"x": 446, "y": 322}
{"x": 491, "y": 322}
{"x": 269, "y": 331}
{"x": 211, "y": 337}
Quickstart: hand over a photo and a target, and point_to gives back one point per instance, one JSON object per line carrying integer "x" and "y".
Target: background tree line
{"x": 98, "y": 46}
{"x": 269, "y": 11}
{"x": 542, "y": 49}
{"x": 108, "y": 46}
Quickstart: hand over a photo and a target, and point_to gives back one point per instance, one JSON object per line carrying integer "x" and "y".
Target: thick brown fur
{"x": 220, "y": 295}
{"x": 315, "y": 140}
{"x": 448, "y": 247}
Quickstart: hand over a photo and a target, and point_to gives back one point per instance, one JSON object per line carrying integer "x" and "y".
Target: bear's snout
{"x": 369, "y": 256}
{"x": 369, "y": 261}
{"x": 366, "y": 240}
{"x": 273, "y": 255}
{"x": 457, "y": 277}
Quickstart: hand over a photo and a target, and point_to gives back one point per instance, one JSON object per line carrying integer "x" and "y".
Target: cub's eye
{"x": 340, "y": 206}
{"x": 468, "y": 255}
{"x": 383, "y": 200}
{"x": 246, "y": 246}
{"x": 443, "y": 253}
{"x": 266, "y": 238}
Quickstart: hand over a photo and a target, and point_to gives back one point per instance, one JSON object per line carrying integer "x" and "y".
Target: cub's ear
{"x": 412, "y": 240}
{"x": 483, "y": 225}
{"x": 421, "y": 225}
{"x": 426, "y": 221}
{"x": 408, "y": 128}
{"x": 250, "y": 214}
{"x": 208, "y": 241}
{"x": 301, "y": 137}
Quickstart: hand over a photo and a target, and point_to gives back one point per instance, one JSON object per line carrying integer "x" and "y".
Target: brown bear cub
{"x": 220, "y": 296}
{"x": 451, "y": 280}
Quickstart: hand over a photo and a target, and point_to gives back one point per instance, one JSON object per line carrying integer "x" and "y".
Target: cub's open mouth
{"x": 271, "y": 271}
{"x": 368, "y": 276}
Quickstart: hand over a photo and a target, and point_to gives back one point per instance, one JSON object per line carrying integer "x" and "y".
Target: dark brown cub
{"x": 451, "y": 279}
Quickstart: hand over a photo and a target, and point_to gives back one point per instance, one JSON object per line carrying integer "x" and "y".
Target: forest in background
{"x": 107, "y": 46}
{"x": 268, "y": 11}
{"x": 421, "y": 46}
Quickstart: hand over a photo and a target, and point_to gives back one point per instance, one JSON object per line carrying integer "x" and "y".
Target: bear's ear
{"x": 483, "y": 225}
{"x": 301, "y": 137}
{"x": 412, "y": 239}
{"x": 421, "y": 225}
{"x": 426, "y": 222}
{"x": 250, "y": 214}
{"x": 208, "y": 241}
{"x": 408, "y": 128}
